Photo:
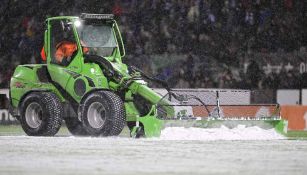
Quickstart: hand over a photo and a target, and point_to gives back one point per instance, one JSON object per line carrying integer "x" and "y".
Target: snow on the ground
{"x": 239, "y": 133}
{"x": 179, "y": 151}
{"x": 26, "y": 155}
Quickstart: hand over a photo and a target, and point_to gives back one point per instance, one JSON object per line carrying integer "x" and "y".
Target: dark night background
{"x": 249, "y": 44}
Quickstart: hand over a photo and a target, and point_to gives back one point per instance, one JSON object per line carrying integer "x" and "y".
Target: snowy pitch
{"x": 178, "y": 151}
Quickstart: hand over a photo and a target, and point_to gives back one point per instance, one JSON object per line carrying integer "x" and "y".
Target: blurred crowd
{"x": 218, "y": 40}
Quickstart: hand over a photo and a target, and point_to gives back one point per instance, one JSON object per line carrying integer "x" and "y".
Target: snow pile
{"x": 239, "y": 133}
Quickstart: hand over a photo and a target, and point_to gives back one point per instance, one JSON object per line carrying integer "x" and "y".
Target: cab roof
{"x": 85, "y": 16}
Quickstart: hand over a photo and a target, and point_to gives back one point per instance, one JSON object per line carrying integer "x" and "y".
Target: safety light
{"x": 77, "y": 23}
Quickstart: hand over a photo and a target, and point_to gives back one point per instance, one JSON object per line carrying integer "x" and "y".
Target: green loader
{"x": 85, "y": 83}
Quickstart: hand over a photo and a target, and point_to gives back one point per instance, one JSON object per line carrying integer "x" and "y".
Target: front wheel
{"x": 103, "y": 114}
{"x": 41, "y": 114}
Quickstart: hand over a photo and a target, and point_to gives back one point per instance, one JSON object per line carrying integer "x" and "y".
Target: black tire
{"x": 75, "y": 126}
{"x": 41, "y": 114}
{"x": 103, "y": 114}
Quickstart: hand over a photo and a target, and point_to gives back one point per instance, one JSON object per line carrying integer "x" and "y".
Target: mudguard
{"x": 30, "y": 78}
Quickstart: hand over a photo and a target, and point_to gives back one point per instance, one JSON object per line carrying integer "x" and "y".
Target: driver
{"x": 65, "y": 51}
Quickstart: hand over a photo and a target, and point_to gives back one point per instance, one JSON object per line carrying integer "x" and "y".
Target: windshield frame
{"x": 111, "y": 41}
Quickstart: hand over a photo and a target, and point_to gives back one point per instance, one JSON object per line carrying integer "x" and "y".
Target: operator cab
{"x": 90, "y": 34}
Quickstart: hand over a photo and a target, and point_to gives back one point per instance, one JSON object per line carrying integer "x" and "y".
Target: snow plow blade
{"x": 153, "y": 126}
{"x": 178, "y": 112}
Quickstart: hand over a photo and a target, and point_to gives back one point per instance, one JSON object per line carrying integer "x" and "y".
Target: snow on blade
{"x": 223, "y": 133}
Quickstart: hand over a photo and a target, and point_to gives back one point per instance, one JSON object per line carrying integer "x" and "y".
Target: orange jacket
{"x": 43, "y": 54}
{"x": 64, "y": 49}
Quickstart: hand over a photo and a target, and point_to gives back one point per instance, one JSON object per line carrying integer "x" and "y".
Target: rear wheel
{"x": 103, "y": 114}
{"x": 41, "y": 114}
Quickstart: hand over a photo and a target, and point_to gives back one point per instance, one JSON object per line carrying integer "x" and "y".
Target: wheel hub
{"x": 34, "y": 115}
{"x": 96, "y": 115}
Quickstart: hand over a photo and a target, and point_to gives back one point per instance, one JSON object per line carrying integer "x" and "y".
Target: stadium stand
{"x": 220, "y": 44}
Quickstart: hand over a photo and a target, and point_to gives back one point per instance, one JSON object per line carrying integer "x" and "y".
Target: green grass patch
{"x": 297, "y": 134}
{"x": 10, "y": 130}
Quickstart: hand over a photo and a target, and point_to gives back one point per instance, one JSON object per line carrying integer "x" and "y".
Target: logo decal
{"x": 19, "y": 85}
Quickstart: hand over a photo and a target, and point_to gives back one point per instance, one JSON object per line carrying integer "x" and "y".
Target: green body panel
{"x": 141, "y": 88}
{"x": 67, "y": 76}
{"x": 281, "y": 126}
{"x": 152, "y": 126}
{"x": 131, "y": 111}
